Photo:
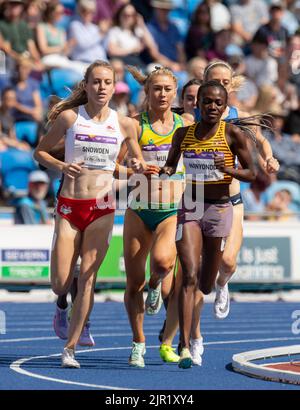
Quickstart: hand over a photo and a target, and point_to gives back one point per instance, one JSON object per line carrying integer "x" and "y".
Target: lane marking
{"x": 16, "y": 365}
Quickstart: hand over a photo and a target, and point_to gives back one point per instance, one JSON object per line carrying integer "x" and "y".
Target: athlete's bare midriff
{"x": 91, "y": 183}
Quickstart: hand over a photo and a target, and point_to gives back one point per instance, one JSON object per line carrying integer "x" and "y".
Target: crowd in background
{"x": 47, "y": 45}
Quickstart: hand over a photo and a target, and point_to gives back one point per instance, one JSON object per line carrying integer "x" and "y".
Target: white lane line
{"x": 16, "y": 365}
{"x": 250, "y": 332}
{"x": 229, "y": 332}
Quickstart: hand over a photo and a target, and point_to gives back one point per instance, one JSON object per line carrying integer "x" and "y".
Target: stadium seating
{"x": 27, "y": 131}
{"x": 58, "y": 81}
{"x": 15, "y": 168}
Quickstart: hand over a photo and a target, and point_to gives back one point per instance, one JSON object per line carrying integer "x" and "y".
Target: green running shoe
{"x": 167, "y": 353}
{"x": 185, "y": 361}
{"x": 154, "y": 300}
{"x": 136, "y": 358}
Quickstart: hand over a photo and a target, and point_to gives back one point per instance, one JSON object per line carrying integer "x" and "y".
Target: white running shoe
{"x": 222, "y": 301}
{"x": 68, "y": 359}
{"x": 197, "y": 350}
{"x": 154, "y": 300}
{"x": 136, "y": 358}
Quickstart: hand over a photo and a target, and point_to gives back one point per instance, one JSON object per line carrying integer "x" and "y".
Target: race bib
{"x": 95, "y": 151}
{"x": 158, "y": 154}
{"x": 201, "y": 167}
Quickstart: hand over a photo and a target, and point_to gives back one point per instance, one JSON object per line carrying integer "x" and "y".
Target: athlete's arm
{"x": 56, "y": 132}
{"x": 136, "y": 160}
{"x": 270, "y": 164}
{"x": 238, "y": 145}
{"x": 175, "y": 152}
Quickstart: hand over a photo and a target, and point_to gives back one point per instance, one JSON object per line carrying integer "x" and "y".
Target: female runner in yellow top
{"x": 204, "y": 221}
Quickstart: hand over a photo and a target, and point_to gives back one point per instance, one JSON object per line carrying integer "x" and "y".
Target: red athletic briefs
{"x": 82, "y": 212}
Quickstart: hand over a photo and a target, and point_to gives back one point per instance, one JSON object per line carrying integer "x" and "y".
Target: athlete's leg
{"x": 189, "y": 249}
{"x": 232, "y": 246}
{"x": 65, "y": 251}
{"x": 137, "y": 244}
{"x": 172, "y": 321}
{"x": 163, "y": 254}
{"x": 198, "y": 305}
{"x": 95, "y": 243}
{"x": 211, "y": 259}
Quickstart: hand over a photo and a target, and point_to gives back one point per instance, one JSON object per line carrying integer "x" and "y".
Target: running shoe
{"x": 222, "y": 302}
{"x": 60, "y": 323}
{"x": 68, "y": 359}
{"x": 136, "y": 358}
{"x": 185, "y": 361}
{"x": 197, "y": 350}
{"x": 161, "y": 332}
{"x": 86, "y": 338}
{"x": 167, "y": 353}
{"x": 154, "y": 300}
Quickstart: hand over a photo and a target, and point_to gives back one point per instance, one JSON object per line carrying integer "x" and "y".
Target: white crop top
{"x": 95, "y": 144}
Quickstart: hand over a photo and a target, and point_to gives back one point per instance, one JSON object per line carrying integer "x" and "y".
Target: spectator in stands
{"x": 221, "y": 40}
{"x": 247, "y": 16}
{"x": 53, "y": 43}
{"x": 129, "y": 39}
{"x": 33, "y": 208}
{"x": 252, "y": 197}
{"x": 260, "y": 67}
{"x": 276, "y": 35}
{"x": 167, "y": 36}
{"x": 293, "y": 55}
{"x": 29, "y": 105}
{"x": 279, "y": 206}
{"x": 220, "y": 18}
{"x": 120, "y": 99}
{"x": 292, "y": 122}
{"x": 106, "y": 9}
{"x": 119, "y": 68}
{"x": 245, "y": 97}
{"x": 33, "y": 13}
{"x": 196, "y": 67}
{"x": 199, "y": 38}
{"x": 86, "y": 39}
{"x": 7, "y": 123}
{"x": 16, "y": 37}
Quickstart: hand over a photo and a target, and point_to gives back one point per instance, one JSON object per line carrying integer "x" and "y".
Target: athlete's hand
{"x": 219, "y": 162}
{"x": 271, "y": 165}
{"x": 72, "y": 170}
{"x": 166, "y": 171}
{"x": 151, "y": 170}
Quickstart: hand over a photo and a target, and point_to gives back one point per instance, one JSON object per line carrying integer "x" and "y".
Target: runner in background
{"x": 85, "y": 209}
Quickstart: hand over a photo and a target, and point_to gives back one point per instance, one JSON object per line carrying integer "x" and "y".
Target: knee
{"x": 163, "y": 266}
{"x": 189, "y": 278}
{"x": 228, "y": 264}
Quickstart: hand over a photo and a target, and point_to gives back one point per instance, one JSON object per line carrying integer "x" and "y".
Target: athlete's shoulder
{"x": 69, "y": 116}
{"x": 187, "y": 118}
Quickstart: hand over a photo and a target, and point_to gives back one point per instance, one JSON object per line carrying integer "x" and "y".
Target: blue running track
{"x": 30, "y": 351}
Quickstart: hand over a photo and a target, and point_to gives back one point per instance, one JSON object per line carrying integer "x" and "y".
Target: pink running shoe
{"x": 86, "y": 338}
{"x": 60, "y": 323}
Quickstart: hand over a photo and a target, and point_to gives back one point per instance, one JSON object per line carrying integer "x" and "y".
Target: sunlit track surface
{"x": 30, "y": 352}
